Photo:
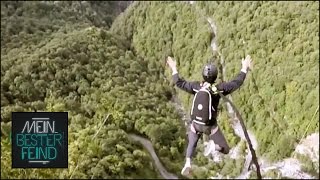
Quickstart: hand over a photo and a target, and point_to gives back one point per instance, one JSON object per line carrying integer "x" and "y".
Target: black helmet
{"x": 210, "y": 73}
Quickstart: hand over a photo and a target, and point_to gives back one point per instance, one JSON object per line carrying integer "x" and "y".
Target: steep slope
{"x": 26, "y": 24}
{"x": 66, "y": 60}
{"x": 279, "y": 96}
{"x": 92, "y": 74}
{"x": 78, "y": 75}
{"x": 283, "y": 89}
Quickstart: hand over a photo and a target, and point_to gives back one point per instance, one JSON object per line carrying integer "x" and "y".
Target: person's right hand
{"x": 246, "y": 63}
{"x": 172, "y": 63}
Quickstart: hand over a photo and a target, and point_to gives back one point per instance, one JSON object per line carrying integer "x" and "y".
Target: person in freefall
{"x": 204, "y": 106}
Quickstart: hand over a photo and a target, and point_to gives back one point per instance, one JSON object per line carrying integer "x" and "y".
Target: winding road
{"x": 289, "y": 167}
{"x": 148, "y": 145}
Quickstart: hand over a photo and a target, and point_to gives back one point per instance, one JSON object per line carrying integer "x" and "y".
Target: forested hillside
{"x": 28, "y": 24}
{"x": 280, "y": 96}
{"x": 85, "y": 58}
{"x": 90, "y": 73}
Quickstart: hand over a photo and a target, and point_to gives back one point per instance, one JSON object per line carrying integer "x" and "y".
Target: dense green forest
{"x": 281, "y": 94}
{"x": 92, "y": 73}
{"x": 95, "y": 62}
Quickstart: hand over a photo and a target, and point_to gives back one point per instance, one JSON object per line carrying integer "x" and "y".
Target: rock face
{"x": 309, "y": 147}
{"x": 289, "y": 167}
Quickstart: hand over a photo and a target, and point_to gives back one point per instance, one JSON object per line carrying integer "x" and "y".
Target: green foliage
{"x": 282, "y": 38}
{"x": 159, "y": 29}
{"x": 29, "y": 24}
{"x": 92, "y": 74}
{"x": 232, "y": 167}
{"x": 309, "y": 166}
{"x": 200, "y": 173}
{"x": 60, "y": 56}
{"x": 274, "y": 174}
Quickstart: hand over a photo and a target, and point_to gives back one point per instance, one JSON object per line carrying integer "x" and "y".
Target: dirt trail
{"x": 148, "y": 145}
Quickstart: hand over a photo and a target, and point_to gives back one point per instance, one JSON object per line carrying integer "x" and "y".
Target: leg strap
{"x": 214, "y": 130}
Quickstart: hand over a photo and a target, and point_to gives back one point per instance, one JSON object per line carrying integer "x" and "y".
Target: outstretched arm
{"x": 229, "y": 87}
{"x": 180, "y": 82}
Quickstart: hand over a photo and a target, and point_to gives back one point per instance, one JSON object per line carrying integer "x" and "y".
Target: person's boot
{"x": 187, "y": 168}
{"x": 210, "y": 147}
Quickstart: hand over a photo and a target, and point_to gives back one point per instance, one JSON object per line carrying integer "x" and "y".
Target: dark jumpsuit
{"x": 217, "y": 137}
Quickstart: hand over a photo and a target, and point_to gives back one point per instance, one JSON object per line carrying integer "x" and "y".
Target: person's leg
{"x": 219, "y": 140}
{"x": 193, "y": 138}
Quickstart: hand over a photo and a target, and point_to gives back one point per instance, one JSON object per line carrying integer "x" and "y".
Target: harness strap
{"x": 213, "y": 130}
{"x": 198, "y": 122}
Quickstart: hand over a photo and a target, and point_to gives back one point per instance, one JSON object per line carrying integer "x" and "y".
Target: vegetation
{"x": 283, "y": 44}
{"x": 283, "y": 90}
{"x": 91, "y": 73}
{"x": 88, "y": 59}
{"x": 309, "y": 166}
